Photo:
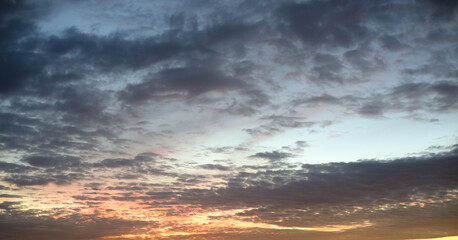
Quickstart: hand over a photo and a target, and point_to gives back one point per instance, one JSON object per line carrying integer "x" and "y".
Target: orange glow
{"x": 441, "y": 238}
{"x": 328, "y": 228}
{"x": 143, "y": 236}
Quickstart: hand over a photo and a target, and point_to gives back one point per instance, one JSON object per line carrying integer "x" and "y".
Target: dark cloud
{"x": 26, "y": 225}
{"x": 215, "y": 167}
{"x": 110, "y": 53}
{"x": 278, "y": 123}
{"x": 43, "y": 179}
{"x": 225, "y": 149}
{"x": 86, "y": 198}
{"x": 93, "y": 185}
{"x": 372, "y": 109}
{"x": 272, "y": 156}
{"x": 52, "y": 161}
{"x": 298, "y": 147}
{"x": 34, "y": 135}
{"x": 328, "y": 23}
{"x": 361, "y": 60}
{"x": 176, "y": 81}
{"x": 333, "y": 188}
{"x": 14, "y": 168}
{"x": 8, "y": 205}
{"x": 16, "y": 64}
{"x": 327, "y": 68}
{"x": 323, "y": 99}
{"x": 435, "y": 97}
{"x": 443, "y": 9}
{"x": 391, "y": 43}
{"x": 9, "y": 196}
{"x": 142, "y": 158}
{"x": 129, "y": 187}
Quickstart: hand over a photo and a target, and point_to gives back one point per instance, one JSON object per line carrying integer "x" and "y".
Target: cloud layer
{"x": 318, "y": 119}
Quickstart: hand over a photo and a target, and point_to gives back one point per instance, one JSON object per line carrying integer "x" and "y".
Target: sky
{"x": 229, "y": 120}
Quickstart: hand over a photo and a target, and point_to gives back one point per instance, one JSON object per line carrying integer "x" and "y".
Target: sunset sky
{"x": 229, "y": 120}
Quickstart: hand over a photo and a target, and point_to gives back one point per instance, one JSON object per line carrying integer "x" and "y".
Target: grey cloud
{"x": 34, "y": 135}
{"x": 443, "y": 9}
{"x": 41, "y": 179}
{"x": 112, "y": 51}
{"x": 17, "y": 21}
{"x": 93, "y": 185}
{"x": 327, "y": 68}
{"x": 192, "y": 81}
{"x": 372, "y": 109}
{"x": 9, "y": 196}
{"x": 8, "y": 205}
{"x": 131, "y": 187}
{"x": 225, "y": 149}
{"x": 14, "y": 168}
{"x": 412, "y": 96}
{"x": 26, "y": 225}
{"x": 334, "y": 188}
{"x": 435, "y": 97}
{"x": 128, "y": 176}
{"x": 338, "y": 23}
{"x": 272, "y": 156}
{"x": 55, "y": 108}
{"x": 278, "y": 123}
{"x": 117, "y": 162}
{"x": 86, "y": 198}
{"x": 142, "y": 158}
{"x": 363, "y": 61}
{"x": 302, "y": 144}
{"x": 52, "y": 161}
{"x": 48, "y": 76}
{"x": 434, "y": 68}
{"x": 392, "y": 43}
{"x": 316, "y": 21}
{"x": 215, "y": 167}
{"x": 297, "y": 148}
{"x": 323, "y": 99}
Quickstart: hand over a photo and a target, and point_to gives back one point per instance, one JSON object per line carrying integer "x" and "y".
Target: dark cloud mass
{"x": 192, "y": 81}
{"x": 341, "y": 192}
{"x": 318, "y": 120}
{"x": 271, "y": 156}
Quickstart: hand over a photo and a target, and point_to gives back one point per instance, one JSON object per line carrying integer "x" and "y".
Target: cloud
{"x": 337, "y": 186}
{"x": 52, "y": 161}
{"x": 330, "y": 21}
{"x": 142, "y": 158}
{"x": 14, "y": 168}
{"x": 176, "y": 81}
{"x": 372, "y": 109}
{"x": 392, "y": 43}
{"x": 318, "y": 100}
{"x": 215, "y": 167}
{"x": 26, "y": 225}
{"x": 9, "y": 196}
{"x": 436, "y": 97}
{"x": 76, "y": 100}
{"x": 362, "y": 61}
{"x": 279, "y": 123}
{"x": 327, "y": 68}
{"x": 272, "y": 156}
{"x": 42, "y": 179}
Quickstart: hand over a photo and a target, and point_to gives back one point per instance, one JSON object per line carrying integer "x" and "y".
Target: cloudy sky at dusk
{"x": 229, "y": 120}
